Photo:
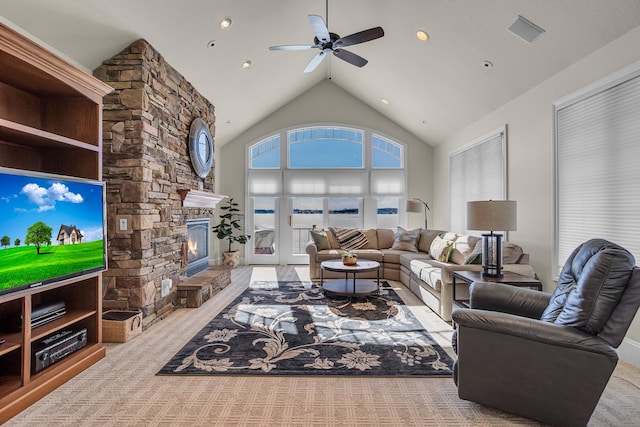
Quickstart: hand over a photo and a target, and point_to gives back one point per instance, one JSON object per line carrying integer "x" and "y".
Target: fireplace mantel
{"x": 199, "y": 199}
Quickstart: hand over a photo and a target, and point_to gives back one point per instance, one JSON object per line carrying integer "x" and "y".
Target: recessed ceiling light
{"x": 385, "y": 101}
{"x": 246, "y": 65}
{"x": 486, "y": 64}
{"x": 211, "y": 43}
{"x": 225, "y": 23}
{"x": 228, "y": 122}
{"x": 422, "y": 35}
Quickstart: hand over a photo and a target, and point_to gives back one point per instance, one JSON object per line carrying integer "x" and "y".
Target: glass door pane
{"x": 306, "y": 214}
{"x": 264, "y": 230}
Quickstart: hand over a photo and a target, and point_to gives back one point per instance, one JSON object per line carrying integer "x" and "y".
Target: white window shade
{"x": 265, "y": 183}
{"x": 387, "y": 182}
{"x": 476, "y": 172}
{"x": 334, "y": 183}
{"x": 597, "y": 173}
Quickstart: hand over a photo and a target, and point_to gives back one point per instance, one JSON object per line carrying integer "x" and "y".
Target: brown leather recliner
{"x": 548, "y": 356}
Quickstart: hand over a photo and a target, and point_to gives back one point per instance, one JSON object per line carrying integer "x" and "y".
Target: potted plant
{"x": 225, "y": 229}
{"x": 349, "y": 258}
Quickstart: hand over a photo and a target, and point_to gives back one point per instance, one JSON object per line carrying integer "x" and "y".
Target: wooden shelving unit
{"x": 50, "y": 121}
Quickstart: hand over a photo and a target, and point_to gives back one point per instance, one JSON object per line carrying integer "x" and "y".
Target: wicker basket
{"x": 121, "y": 326}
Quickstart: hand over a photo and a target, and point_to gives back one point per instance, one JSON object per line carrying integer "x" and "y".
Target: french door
{"x": 280, "y": 225}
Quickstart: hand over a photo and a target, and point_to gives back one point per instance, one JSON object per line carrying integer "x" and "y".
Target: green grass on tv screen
{"x": 22, "y": 265}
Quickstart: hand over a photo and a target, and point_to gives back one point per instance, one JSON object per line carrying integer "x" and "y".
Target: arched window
{"x": 327, "y": 175}
{"x": 266, "y": 153}
{"x": 325, "y": 147}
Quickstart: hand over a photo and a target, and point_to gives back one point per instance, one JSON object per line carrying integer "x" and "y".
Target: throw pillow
{"x": 350, "y": 238}
{"x": 320, "y": 239}
{"x": 511, "y": 253}
{"x": 463, "y": 246}
{"x": 441, "y": 249}
{"x": 406, "y": 240}
{"x": 333, "y": 242}
{"x": 476, "y": 256}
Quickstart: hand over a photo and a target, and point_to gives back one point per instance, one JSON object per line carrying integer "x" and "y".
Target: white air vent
{"x": 525, "y": 29}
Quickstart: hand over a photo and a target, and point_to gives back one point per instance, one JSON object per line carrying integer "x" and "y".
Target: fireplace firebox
{"x": 197, "y": 245}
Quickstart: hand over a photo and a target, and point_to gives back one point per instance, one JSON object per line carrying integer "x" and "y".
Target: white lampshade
{"x": 491, "y": 215}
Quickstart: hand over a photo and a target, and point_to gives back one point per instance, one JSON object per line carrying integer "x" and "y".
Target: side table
{"x": 509, "y": 278}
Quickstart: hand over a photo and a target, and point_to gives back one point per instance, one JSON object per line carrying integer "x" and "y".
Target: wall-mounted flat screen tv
{"x": 52, "y": 228}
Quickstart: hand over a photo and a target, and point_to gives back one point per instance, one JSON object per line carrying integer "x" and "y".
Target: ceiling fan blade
{"x": 293, "y": 47}
{"x": 360, "y": 37}
{"x": 319, "y": 28}
{"x": 315, "y": 61}
{"x": 350, "y": 57}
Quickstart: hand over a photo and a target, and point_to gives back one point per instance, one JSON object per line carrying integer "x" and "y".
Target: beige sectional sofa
{"x": 413, "y": 265}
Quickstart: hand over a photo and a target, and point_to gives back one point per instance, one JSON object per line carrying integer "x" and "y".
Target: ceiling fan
{"x": 331, "y": 42}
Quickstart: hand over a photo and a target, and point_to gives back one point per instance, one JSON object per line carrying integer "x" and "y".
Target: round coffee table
{"x": 347, "y": 286}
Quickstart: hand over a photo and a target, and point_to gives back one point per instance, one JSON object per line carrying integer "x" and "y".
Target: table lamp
{"x": 416, "y": 205}
{"x": 491, "y": 215}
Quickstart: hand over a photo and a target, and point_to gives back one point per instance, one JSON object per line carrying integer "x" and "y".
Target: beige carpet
{"x": 123, "y": 390}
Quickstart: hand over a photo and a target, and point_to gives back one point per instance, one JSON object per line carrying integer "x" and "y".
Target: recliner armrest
{"x": 532, "y": 330}
{"x": 508, "y": 299}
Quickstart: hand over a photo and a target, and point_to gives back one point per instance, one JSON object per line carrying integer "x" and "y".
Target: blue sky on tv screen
{"x": 26, "y": 200}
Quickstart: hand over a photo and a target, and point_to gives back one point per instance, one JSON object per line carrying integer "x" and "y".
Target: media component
{"x": 56, "y": 347}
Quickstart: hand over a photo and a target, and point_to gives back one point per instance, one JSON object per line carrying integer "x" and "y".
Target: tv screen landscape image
{"x": 51, "y": 228}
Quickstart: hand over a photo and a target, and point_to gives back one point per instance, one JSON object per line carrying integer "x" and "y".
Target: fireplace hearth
{"x": 197, "y": 245}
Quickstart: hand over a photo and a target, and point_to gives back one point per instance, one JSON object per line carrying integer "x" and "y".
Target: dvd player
{"x": 46, "y": 313}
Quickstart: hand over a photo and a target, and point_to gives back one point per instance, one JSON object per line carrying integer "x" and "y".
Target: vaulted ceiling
{"x": 433, "y": 88}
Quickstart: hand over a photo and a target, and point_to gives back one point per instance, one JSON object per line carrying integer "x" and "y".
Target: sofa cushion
{"x": 372, "y": 238}
{"x": 406, "y": 240}
{"x": 320, "y": 239}
{"x": 349, "y": 238}
{"x": 330, "y": 254}
{"x": 392, "y": 256}
{"x": 407, "y": 257}
{"x": 441, "y": 249}
{"x": 463, "y": 246}
{"x": 432, "y": 276}
{"x": 369, "y": 254}
{"x": 385, "y": 238}
{"x": 426, "y": 237}
{"x": 511, "y": 253}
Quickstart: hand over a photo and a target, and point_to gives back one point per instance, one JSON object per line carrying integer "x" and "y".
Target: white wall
{"x": 326, "y": 103}
{"x": 530, "y": 152}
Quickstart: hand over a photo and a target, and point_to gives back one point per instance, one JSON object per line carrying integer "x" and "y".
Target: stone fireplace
{"x": 197, "y": 245}
{"x": 152, "y": 187}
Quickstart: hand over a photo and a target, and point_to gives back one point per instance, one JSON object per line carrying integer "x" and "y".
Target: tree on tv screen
{"x": 5, "y": 241}
{"x": 38, "y": 234}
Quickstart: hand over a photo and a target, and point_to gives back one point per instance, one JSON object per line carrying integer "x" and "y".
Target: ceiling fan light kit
{"x": 331, "y": 42}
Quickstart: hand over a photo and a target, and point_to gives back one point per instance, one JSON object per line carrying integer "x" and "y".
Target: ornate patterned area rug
{"x": 292, "y": 328}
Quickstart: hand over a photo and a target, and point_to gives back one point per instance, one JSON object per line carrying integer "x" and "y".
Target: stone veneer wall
{"x": 146, "y": 123}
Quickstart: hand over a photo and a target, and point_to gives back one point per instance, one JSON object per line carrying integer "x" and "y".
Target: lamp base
{"x": 491, "y": 276}
{"x": 492, "y": 255}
